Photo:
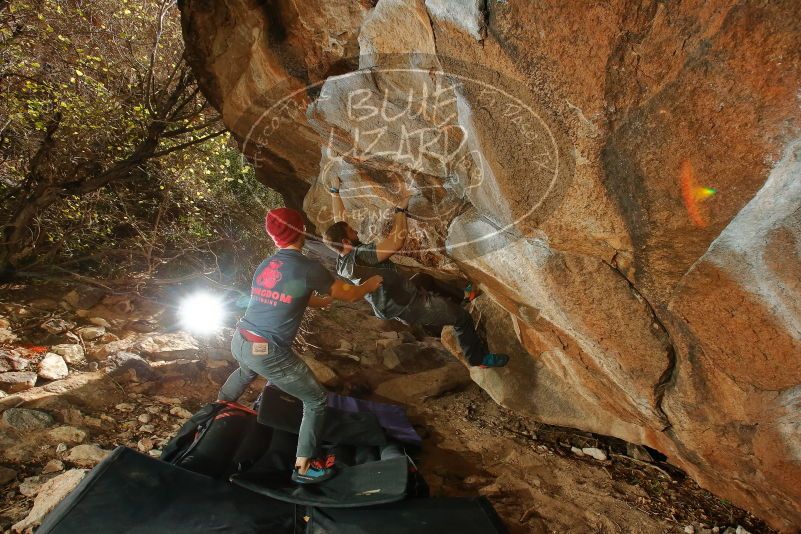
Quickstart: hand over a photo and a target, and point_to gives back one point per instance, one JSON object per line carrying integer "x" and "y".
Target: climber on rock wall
{"x": 425, "y": 303}
{"x": 283, "y": 286}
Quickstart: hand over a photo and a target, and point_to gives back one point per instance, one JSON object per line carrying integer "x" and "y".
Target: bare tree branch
{"x": 166, "y": 5}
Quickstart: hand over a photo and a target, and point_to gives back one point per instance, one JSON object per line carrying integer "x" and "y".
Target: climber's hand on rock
{"x": 324, "y": 302}
{"x": 373, "y": 283}
{"x": 334, "y": 181}
{"x": 404, "y": 201}
{"x": 405, "y": 195}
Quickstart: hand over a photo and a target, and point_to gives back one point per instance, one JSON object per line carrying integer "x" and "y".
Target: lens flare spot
{"x": 693, "y": 195}
{"x": 703, "y": 193}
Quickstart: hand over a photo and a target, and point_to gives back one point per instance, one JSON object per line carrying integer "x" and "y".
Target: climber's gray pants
{"x": 288, "y": 373}
{"x": 436, "y": 311}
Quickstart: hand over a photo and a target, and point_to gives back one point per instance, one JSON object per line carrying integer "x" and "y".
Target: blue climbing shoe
{"x": 318, "y": 471}
{"x": 494, "y": 360}
{"x": 471, "y": 292}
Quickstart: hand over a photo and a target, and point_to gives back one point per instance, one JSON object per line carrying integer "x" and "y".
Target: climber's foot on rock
{"x": 494, "y": 360}
{"x": 471, "y": 292}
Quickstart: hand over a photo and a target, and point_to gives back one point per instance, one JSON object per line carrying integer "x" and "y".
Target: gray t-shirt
{"x": 280, "y": 294}
{"x": 394, "y": 295}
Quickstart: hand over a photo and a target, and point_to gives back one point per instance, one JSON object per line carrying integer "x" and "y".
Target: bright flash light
{"x": 202, "y": 313}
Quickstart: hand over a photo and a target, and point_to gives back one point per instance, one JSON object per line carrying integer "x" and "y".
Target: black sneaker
{"x": 494, "y": 360}
{"x": 318, "y": 471}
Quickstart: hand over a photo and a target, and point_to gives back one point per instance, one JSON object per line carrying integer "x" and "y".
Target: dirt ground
{"x": 538, "y": 485}
{"x": 471, "y": 445}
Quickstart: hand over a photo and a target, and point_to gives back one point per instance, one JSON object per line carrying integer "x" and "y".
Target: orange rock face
{"x": 623, "y": 179}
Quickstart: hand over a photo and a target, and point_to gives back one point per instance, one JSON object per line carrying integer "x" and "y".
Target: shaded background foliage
{"x": 112, "y": 164}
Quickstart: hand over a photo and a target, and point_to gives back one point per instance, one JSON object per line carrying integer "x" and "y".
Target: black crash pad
{"x": 436, "y": 515}
{"x": 218, "y": 440}
{"x": 131, "y": 493}
{"x": 365, "y": 484}
{"x": 284, "y": 412}
{"x": 224, "y": 439}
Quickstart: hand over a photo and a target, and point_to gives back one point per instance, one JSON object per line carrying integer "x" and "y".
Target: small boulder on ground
{"x": 217, "y": 364}
{"x": 180, "y": 412}
{"x": 53, "y": 466}
{"x": 595, "y": 452}
{"x": 390, "y": 360}
{"x": 324, "y": 374}
{"x": 121, "y": 345}
{"x": 414, "y": 357}
{"x": 407, "y": 337}
{"x": 26, "y": 420}
{"x": 30, "y": 486}
{"x": 44, "y": 304}
{"x": 167, "y": 400}
{"x": 171, "y": 346}
{"x": 84, "y": 298}
{"x": 121, "y": 362}
{"x": 638, "y": 452}
{"x": 50, "y": 494}
{"x": 68, "y": 434}
{"x": 426, "y": 384}
{"x": 72, "y": 298}
{"x": 87, "y": 455}
{"x": 57, "y": 325}
{"x": 344, "y": 346}
{"x": 108, "y": 337}
{"x": 125, "y": 407}
{"x": 387, "y": 343}
{"x": 16, "y": 381}
{"x": 72, "y": 353}
{"x": 143, "y": 325}
{"x": 53, "y": 367}
{"x": 90, "y": 332}
{"x": 119, "y": 303}
{"x": 14, "y": 359}
{"x": 6, "y": 335}
{"x": 7, "y": 475}
{"x": 99, "y": 321}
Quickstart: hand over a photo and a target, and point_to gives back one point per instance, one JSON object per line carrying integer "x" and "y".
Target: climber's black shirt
{"x": 396, "y": 292}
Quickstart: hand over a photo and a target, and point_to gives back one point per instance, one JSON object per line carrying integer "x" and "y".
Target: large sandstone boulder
{"x": 566, "y": 158}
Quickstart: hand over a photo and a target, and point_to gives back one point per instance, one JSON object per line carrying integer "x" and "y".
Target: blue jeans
{"x": 288, "y": 373}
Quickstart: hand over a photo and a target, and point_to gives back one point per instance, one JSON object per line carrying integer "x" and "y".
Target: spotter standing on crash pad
{"x": 400, "y": 297}
{"x": 282, "y": 288}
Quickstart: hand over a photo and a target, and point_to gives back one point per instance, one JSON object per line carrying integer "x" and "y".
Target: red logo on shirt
{"x": 270, "y": 275}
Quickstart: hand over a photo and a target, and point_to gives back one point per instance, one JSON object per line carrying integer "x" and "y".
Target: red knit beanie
{"x": 284, "y": 225}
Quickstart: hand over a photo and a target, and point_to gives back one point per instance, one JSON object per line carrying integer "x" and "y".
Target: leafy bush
{"x": 111, "y": 160}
